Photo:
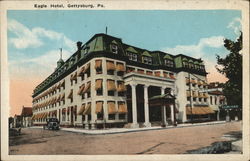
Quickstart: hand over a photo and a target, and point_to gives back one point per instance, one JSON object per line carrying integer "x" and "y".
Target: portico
{"x": 151, "y": 86}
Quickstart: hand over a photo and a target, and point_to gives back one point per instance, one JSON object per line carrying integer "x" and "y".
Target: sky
{"x": 34, "y": 39}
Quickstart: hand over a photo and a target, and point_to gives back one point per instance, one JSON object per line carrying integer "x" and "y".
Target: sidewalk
{"x": 128, "y": 130}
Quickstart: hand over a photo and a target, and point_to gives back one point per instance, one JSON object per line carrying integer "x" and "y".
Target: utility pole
{"x": 191, "y": 97}
{"x": 106, "y": 31}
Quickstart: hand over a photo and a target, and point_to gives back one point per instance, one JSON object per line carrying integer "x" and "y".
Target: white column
{"x": 146, "y": 107}
{"x": 86, "y": 122}
{"x": 163, "y": 110}
{"x": 172, "y": 113}
{"x": 134, "y": 107}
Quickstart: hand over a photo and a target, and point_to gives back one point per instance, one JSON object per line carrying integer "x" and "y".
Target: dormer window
{"x": 168, "y": 60}
{"x": 114, "y": 48}
{"x": 147, "y": 60}
{"x": 169, "y": 63}
{"x": 132, "y": 56}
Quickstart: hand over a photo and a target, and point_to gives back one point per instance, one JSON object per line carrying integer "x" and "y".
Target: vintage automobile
{"x": 51, "y": 124}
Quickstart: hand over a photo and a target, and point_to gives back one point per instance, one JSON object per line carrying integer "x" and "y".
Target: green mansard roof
{"x": 168, "y": 57}
{"x": 146, "y": 53}
{"x": 131, "y": 49}
{"x": 100, "y": 44}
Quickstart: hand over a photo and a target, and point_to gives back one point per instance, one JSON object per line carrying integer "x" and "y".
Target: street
{"x": 37, "y": 141}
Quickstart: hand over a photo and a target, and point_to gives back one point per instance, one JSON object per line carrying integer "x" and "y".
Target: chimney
{"x": 79, "y": 45}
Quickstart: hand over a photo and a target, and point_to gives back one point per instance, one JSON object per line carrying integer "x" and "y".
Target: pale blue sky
{"x": 36, "y": 35}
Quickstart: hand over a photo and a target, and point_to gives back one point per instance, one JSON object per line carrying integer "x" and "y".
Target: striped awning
{"x": 98, "y": 64}
{"x": 81, "y": 71}
{"x": 120, "y": 67}
{"x": 87, "y": 110}
{"x": 110, "y": 65}
{"x": 99, "y": 107}
{"x": 111, "y": 108}
{"x": 111, "y": 85}
{"x": 122, "y": 108}
{"x": 86, "y": 68}
{"x": 82, "y": 108}
{"x": 98, "y": 84}
{"x": 121, "y": 87}
{"x": 70, "y": 94}
{"x": 86, "y": 88}
{"x": 80, "y": 91}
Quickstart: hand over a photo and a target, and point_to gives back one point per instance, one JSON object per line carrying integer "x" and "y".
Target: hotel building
{"x": 107, "y": 83}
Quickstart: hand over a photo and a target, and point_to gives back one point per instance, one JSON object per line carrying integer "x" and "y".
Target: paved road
{"x": 168, "y": 141}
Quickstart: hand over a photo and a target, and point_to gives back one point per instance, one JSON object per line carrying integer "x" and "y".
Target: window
{"x": 98, "y": 87}
{"x": 200, "y": 99}
{"x": 122, "y": 116}
{"x": 191, "y": 65}
{"x": 194, "y": 99}
{"x": 215, "y": 100}
{"x": 169, "y": 63}
{"x": 205, "y": 99}
{"x": 132, "y": 56}
{"x": 185, "y": 64}
{"x": 99, "y": 110}
{"x": 110, "y": 67}
{"x": 98, "y": 66}
{"x": 114, "y": 48}
{"x": 147, "y": 60}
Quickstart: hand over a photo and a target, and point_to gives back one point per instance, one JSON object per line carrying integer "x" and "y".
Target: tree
{"x": 231, "y": 67}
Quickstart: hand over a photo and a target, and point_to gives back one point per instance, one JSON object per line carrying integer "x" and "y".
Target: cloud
{"x": 24, "y": 37}
{"x": 199, "y": 51}
{"x": 39, "y": 67}
{"x": 235, "y": 25}
{"x": 32, "y": 38}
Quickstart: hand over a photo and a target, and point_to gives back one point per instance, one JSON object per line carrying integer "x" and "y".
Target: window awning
{"x": 63, "y": 96}
{"x": 58, "y": 99}
{"x": 195, "y": 94}
{"x": 87, "y": 110}
{"x": 188, "y": 93}
{"x": 80, "y": 91}
{"x": 199, "y": 110}
{"x": 59, "y": 85}
{"x": 86, "y": 68}
{"x": 98, "y": 64}
{"x": 87, "y": 88}
{"x": 99, "y": 107}
{"x": 111, "y": 108}
{"x": 120, "y": 67}
{"x": 110, "y": 65}
{"x": 81, "y": 71}
{"x": 70, "y": 94}
{"x": 121, "y": 87}
{"x": 98, "y": 84}
{"x": 122, "y": 108}
{"x": 82, "y": 108}
{"x": 73, "y": 76}
{"x": 111, "y": 85}
{"x": 200, "y": 95}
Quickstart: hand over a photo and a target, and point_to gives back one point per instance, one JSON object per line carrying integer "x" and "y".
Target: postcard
{"x": 125, "y": 80}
